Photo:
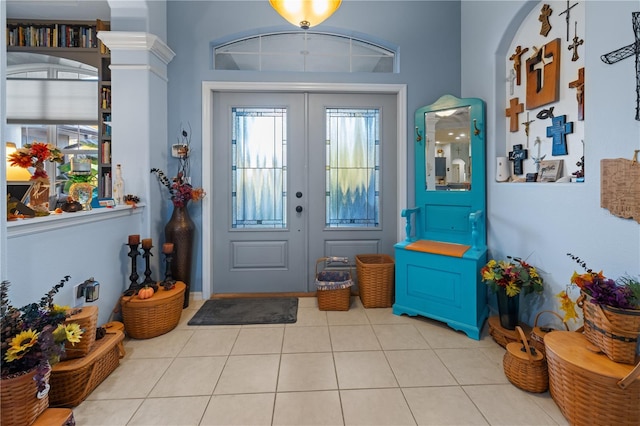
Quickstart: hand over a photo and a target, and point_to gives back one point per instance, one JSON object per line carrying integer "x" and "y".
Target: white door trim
{"x": 208, "y": 90}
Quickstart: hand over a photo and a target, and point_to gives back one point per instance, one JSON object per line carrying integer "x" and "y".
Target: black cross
{"x": 518, "y": 155}
{"x": 567, "y": 11}
{"x": 625, "y": 52}
{"x": 558, "y": 131}
{"x": 576, "y": 42}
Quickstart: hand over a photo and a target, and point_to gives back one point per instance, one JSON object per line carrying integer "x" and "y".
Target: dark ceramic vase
{"x": 508, "y": 309}
{"x": 179, "y": 231}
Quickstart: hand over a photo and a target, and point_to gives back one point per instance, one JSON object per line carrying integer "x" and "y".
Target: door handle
{"x": 298, "y": 194}
{"x": 299, "y": 209}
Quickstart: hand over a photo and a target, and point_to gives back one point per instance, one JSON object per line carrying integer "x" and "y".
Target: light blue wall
{"x": 427, "y": 33}
{"x": 543, "y": 222}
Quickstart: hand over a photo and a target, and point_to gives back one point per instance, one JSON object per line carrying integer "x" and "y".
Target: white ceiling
{"x": 76, "y": 10}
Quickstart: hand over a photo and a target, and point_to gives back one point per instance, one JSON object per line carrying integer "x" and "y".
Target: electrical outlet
{"x": 77, "y": 300}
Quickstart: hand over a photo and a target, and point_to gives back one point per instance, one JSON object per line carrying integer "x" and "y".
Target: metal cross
{"x": 526, "y": 127}
{"x": 574, "y": 46}
{"x": 627, "y": 51}
{"x": 538, "y": 159}
{"x": 567, "y": 12}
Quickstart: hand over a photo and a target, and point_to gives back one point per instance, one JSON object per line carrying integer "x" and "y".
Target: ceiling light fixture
{"x": 305, "y": 13}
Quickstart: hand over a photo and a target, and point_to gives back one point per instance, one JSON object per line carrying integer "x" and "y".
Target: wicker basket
{"x": 73, "y": 380}
{"x": 19, "y": 403}
{"x": 87, "y": 318}
{"x": 538, "y": 332}
{"x": 503, "y": 336}
{"x": 525, "y": 367}
{"x": 144, "y": 319}
{"x": 333, "y": 287}
{"x": 376, "y": 274}
{"x": 588, "y": 387}
{"x": 615, "y": 331}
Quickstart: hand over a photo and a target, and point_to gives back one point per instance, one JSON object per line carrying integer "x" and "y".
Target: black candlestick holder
{"x": 147, "y": 271}
{"x": 133, "y": 254}
{"x": 168, "y": 282}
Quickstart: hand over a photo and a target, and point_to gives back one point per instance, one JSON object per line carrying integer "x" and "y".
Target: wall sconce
{"x": 305, "y": 13}
{"x": 90, "y": 290}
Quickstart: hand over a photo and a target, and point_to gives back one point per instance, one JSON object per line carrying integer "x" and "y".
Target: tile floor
{"x": 359, "y": 367}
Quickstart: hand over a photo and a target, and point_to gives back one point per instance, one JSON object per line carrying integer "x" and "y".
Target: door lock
{"x": 298, "y": 194}
{"x": 299, "y": 209}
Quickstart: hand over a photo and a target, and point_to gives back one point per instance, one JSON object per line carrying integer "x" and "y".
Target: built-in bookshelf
{"x": 76, "y": 40}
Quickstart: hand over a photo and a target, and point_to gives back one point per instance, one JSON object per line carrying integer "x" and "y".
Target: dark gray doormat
{"x": 247, "y": 310}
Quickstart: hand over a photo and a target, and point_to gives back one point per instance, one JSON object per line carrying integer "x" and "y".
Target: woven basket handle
{"x": 627, "y": 380}
{"x": 525, "y": 342}
{"x": 606, "y": 320}
{"x": 535, "y": 322}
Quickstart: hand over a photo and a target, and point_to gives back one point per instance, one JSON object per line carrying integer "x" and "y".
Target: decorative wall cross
{"x": 538, "y": 159}
{"x": 517, "y": 61}
{"x": 545, "y": 12}
{"x": 567, "y": 13}
{"x": 543, "y": 75}
{"x": 574, "y": 46}
{"x": 511, "y": 79}
{"x": 627, "y": 51}
{"x": 579, "y": 86}
{"x": 512, "y": 112}
{"x": 559, "y": 130}
{"x": 526, "y": 125}
{"x": 518, "y": 155}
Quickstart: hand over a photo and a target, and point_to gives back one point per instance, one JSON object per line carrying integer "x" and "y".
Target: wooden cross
{"x": 512, "y": 112}
{"x": 545, "y": 12}
{"x": 559, "y": 130}
{"x": 579, "y": 86}
{"x": 543, "y": 75}
{"x": 567, "y": 12}
{"x": 627, "y": 51}
{"x": 517, "y": 61}
{"x": 518, "y": 155}
{"x": 574, "y": 46}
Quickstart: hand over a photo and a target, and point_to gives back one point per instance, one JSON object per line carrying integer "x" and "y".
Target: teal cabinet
{"x": 438, "y": 264}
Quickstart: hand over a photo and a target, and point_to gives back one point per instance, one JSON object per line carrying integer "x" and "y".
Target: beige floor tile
{"x": 308, "y": 302}
{"x": 307, "y": 372}
{"x": 258, "y": 341}
{"x": 306, "y": 339}
{"x": 544, "y": 401}
{"x": 419, "y": 368}
{"x": 190, "y": 377}
{"x": 399, "y": 336}
{"x": 133, "y": 378}
{"x": 112, "y": 412}
{"x": 355, "y": 316}
{"x": 240, "y": 410}
{"x": 179, "y": 411}
{"x": 440, "y": 336}
{"x": 166, "y": 345}
{"x": 507, "y": 405}
{"x": 442, "y": 406}
{"x": 353, "y": 338}
{"x": 210, "y": 342}
{"x": 358, "y": 370}
{"x": 249, "y": 374}
{"x": 309, "y": 317}
{"x": 375, "y": 407}
{"x": 307, "y": 408}
{"x": 471, "y": 366}
{"x": 386, "y": 316}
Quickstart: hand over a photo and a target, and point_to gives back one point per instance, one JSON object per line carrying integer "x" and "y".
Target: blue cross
{"x": 559, "y": 130}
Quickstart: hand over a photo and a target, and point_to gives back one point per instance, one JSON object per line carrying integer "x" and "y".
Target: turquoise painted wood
{"x": 438, "y": 286}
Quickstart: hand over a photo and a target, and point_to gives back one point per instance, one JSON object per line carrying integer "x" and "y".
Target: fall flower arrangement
{"x": 513, "y": 275}
{"x": 622, "y": 293}
{"x": 180, "y": 188}
{"x": 34, "y": 335}
{"x": 34, "y": 155}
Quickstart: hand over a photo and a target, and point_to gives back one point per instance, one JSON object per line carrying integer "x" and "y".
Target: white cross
{"x": 511, "y": 79}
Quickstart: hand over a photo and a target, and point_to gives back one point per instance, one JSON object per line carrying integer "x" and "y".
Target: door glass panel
{"x": 352, "y": 168}
{"x": 259, "y": 168}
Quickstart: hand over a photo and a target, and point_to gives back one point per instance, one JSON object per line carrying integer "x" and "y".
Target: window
{"x": 304, "y": 52}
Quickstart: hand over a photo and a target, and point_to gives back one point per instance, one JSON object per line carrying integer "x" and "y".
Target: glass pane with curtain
{"x": 352, "y": 179}
{"x": 259, "y": 168}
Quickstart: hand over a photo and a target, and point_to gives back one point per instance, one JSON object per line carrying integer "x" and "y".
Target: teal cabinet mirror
{"x": 438, "y": 264}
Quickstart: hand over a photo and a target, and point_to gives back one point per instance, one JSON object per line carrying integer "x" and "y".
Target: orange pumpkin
{"x": 145, "y": 292}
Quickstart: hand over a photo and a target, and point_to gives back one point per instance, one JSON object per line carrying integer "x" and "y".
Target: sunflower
{"x": 69, "y": 332}
{"x": 21, "y": 344}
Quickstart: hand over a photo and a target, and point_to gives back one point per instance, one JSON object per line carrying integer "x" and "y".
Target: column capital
{"x": 133, "y": 40}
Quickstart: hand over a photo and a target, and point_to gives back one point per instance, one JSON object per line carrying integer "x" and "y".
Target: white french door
{"x": 298, "y": 176}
